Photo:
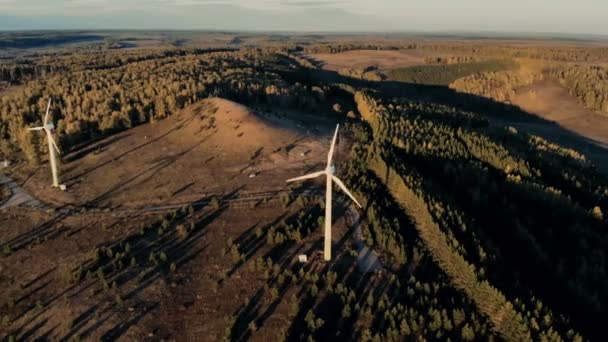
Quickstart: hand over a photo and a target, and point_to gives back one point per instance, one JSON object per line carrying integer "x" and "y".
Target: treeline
{"x": 98, "y": 100}
{"x": 589, "y": 83}
{"x": 31, "y": 66}
{"x": 382, "y": 196}
{"x": 337, "y": 48}
{"x": 450, "y": 59}
{"x": 446, "y": 74}
{"x": 498, "y": 85}
{"x": 539, "y": 51}
{"x": 544, "y": 52}
{"x": 25, "y": 71}
{"x": 23, "y": 41}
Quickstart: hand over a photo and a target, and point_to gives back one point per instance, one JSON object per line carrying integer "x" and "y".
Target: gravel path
{"x": 20, "y": 197}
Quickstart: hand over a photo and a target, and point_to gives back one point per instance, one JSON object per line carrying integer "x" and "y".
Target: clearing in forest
{"x": 551, "y": 101}
{"x": 382, "y": 59}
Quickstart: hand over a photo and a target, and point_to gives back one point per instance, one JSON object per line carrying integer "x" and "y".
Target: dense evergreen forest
{"x": 20, "y": 41}
{"x": 448, "y": 73}
{"x": 485, "y": 232}
{"x": 489, "y": 200}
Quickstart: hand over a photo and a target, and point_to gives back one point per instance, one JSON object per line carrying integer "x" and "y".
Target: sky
{"x": 512, "y": 16}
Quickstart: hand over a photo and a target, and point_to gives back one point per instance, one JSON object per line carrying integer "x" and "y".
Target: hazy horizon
{"x": 584, "y": 17}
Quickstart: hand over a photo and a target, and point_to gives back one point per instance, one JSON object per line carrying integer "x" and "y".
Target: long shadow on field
{"x": 94, "y": 147}
{"x": 254, "y": 238}
{"x": 280, "y": 268}
{"x": 177, "y": 127}
{"x": 115, "y": 332}
{"x": 119, "y": 272}
{"x": 266, "y": 299}
{"x": 43, "y": 232}
{"x": 143, "y": 176}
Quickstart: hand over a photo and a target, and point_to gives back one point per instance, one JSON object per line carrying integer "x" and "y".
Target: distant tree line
{"x": 589, "y": 83}
{"x": 102, "y": 96}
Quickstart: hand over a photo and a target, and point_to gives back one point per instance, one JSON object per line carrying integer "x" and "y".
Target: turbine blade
{"x": 343, "y": 187}
{"x": 39, "y": 128}
{"x": 46, "y": 116}
{"x": 333, "y": 145}
{"x": 308, "y": 176}
{"x": 50, "y": 137}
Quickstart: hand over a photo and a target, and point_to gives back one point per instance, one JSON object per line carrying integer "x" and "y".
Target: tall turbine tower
{"x": 329, "y": 173}
{"x": 48, "y": 128}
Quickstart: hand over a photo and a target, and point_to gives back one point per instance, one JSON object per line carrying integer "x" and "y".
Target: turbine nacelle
{"x": 48, "y": 128}
{"x": 331, "y": 169}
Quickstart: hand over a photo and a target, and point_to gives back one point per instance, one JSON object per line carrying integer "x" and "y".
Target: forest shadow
{"x": 284, "y": 275}
{"x": 177, "y": 127}
{"x": 497, "y": 113}
{"x": 548, "y": 237}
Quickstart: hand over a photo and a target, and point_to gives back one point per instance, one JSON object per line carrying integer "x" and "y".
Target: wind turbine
{"x": 48, "y": 128}
{"x": 329, "y": 173}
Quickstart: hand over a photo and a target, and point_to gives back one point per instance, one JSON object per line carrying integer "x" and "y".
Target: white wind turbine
{"x": 329, "y": 173}
{"x": 48, "y": 128}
